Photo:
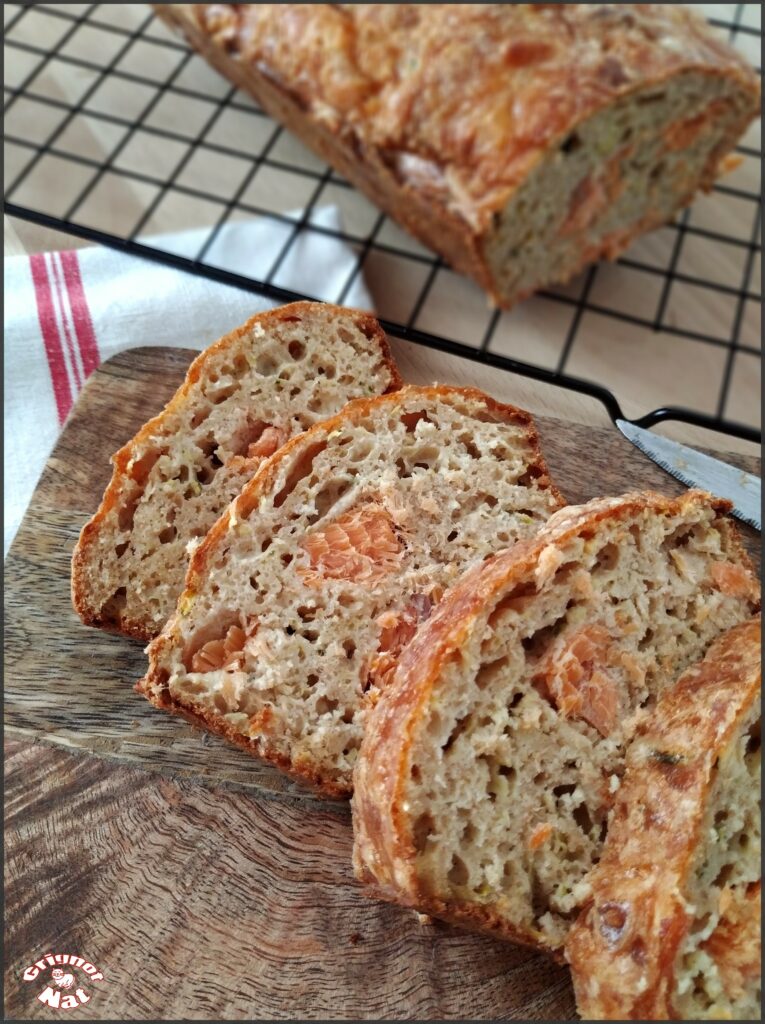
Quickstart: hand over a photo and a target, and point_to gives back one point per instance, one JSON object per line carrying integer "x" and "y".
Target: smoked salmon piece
{"x": 731, "y": 579}
{"x": 577, "y": 680}
{"x": 361, "y": 546}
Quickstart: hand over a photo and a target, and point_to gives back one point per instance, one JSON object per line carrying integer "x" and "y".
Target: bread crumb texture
{"x": 492, "y": 760}
{"x": 242, "y": 399}
{"x": 683, "y": 849}
{"x": 299, "y": 601}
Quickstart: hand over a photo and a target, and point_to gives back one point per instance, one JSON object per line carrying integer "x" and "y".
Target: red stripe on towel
{"x": 66, "y": 329}
{"x": 83, "y": 324}
{"x": 51, "y": 339}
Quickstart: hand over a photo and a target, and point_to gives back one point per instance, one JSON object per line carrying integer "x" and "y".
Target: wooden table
{"x": 176, "y": 860}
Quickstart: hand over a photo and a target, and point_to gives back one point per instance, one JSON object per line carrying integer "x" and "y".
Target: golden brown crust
{"x": 439, "y": 111}
{"x": 384, "y": 852}
{"x": 623, "y": 964}
{"x": 81, "y": 592}
{"x": 152, "y": 685}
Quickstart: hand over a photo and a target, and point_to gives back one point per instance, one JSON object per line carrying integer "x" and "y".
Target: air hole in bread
{"x": 608, "y": 557}
{"x": 411, "y": 419}
{"x": 127, "y": 512}
{"x": 649, "y": 98}
{"x": 470, "y": 446}
{"x": 207, "y": 444}
{"x": 350, "y": 648}
{"x": 366, "y": 329}
{"x": 646, "y": 640}
{"x": 488, "y": 673}
{"x": 327, "y": 370}
{"x": 120, "y": 549}
{"x": 452, "y": 536}
{"x": 328, "y": 496}
{"x": 571, "y": 143}
{"x": 564, "y": 790}
{"x": 582, "y": 817}
{"x": 115, "y": 606}
{"x": 456, "y": 732}
{"x": 141, "y": 468}
{"x": 219, "y": 396}
{"x": 199, "y": 416}
{"x": 166, "y": 535}
{"x": 299, "y": 471}
{"x": 326, "y": 705}
{"x": 267, "y": 364}
{"x": 514, "y": 601}
{"x": 679, "y": 538}
{"x": 241, "y": 365}
{"x": 458, "y": 872}
{"x": 296, "y": 349}
{"x": 753, "y": 740}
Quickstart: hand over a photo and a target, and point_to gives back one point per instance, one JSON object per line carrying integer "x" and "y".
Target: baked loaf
{"x": 672, "y": 928}
{"x": 242, "y": 398}
{"x": 300, "y": 597}
{"x": 490, "y": 763}
{"x": 519, "y": 141}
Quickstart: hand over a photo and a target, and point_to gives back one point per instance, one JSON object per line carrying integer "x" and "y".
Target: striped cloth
{"x": 65, "y": 312}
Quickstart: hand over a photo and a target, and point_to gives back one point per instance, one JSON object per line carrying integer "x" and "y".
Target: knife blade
{"x": 694, "y": 469}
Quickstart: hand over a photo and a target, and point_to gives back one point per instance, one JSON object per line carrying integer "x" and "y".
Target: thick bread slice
{"x": 490, "y": 763}
{"x": 517, "y": 140}
{"x": 671, "y": 930}
{"x": 275, "y": 376}
{"x": 302, "y": 594}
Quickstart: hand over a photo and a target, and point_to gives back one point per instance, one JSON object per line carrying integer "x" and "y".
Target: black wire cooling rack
{"x": 113, "y": 72}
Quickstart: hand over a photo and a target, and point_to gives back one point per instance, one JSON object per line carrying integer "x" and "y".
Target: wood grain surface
{"x": 231, "y": 899}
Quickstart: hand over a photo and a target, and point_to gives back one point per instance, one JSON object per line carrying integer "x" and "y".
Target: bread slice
{"x": 671, "y": 930}
{"x": 490, "y": 763}
{"x": 301, "y": 595}
{"x": 244, "y": 396}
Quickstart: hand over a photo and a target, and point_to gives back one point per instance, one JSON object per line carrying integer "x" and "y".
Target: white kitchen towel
{"x": 65, "y": 312}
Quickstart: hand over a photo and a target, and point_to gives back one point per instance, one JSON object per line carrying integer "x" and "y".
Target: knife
{"x": 697, "y": 470}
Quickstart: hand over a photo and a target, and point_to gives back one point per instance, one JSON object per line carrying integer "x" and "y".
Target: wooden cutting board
{"x": 203, "y": 884}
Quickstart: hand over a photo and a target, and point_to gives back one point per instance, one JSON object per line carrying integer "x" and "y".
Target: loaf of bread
{"x": 242, "y": 398}
{"x": 671, "y": 930}
{"x": 519, "y": 141}
{"x": 492, "y": 758}
{"x": 302, "y": 594}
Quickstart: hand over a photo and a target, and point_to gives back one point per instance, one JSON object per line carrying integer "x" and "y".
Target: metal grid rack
{"x": 102, "y": 97}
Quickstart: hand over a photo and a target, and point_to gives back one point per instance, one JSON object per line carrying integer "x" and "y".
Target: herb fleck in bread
{"x": 243, "y": 397}
{"x": 517, "y": 140}
{"x": 300, "y": 597}
{"x": 490, "y": 763}
{"x": 671, "y": 930}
